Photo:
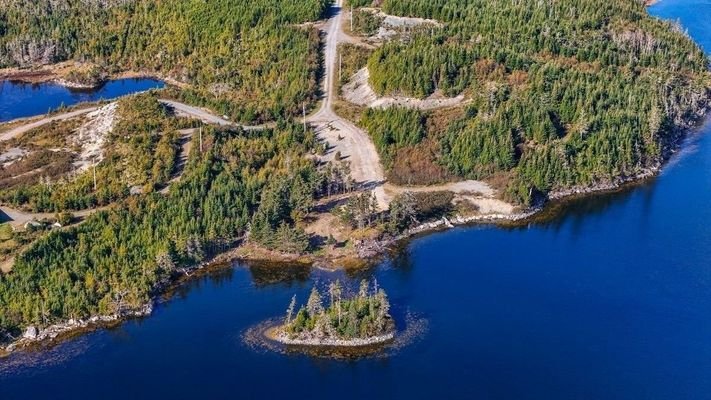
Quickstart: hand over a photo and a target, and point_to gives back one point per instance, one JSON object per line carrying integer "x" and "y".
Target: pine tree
{"x": 335, "y": 290}
{"x": 314, "y": 306}
{"x": 290, "y": 310}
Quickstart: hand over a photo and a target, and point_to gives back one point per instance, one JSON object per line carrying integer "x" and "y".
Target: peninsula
{"x": 312, "y": 131}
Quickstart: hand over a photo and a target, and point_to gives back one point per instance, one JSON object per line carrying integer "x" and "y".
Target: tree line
{"x": 117, "y": 258}
{"x": 246, "y": 59}
{"x": 363, "y": 316}
{"x": 563, "y": 93}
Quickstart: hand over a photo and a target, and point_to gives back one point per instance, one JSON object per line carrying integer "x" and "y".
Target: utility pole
{"x": 351, "y": 19}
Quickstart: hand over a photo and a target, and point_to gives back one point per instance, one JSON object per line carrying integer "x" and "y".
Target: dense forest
{"x": 116, "y": 259}
{"x": 564, "y": 93}
{"x": 248, "y": 59}
{"x": 255, "y": 185}
{"x": 561, "y": 93}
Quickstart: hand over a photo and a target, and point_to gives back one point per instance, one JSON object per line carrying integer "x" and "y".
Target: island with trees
{"x": 348, "y": 321}
{"x": 557, "y": 98}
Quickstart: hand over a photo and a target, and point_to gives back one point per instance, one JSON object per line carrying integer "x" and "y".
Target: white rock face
{"x": 30, "y": 333}
{"x": 358, "y": 91}
{"x": 92, "y": 135}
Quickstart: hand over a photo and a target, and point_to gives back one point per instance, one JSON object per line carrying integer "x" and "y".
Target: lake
{"x": 611, "y": 299}
{"x": 19, "y": 100}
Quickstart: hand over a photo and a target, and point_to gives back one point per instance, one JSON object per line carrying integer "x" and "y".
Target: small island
{"x": 361, "y": 320}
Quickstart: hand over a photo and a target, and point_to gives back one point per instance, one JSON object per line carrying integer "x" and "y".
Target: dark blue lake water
{"x": 610, "y": 300}
{"x": 19, "y": 100}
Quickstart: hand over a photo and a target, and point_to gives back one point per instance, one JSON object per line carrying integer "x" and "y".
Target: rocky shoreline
{"x": 280, "y": 336}
{"x": 365, "y": 251}
{"x": 368, "y": 252}
{"x": 50, "y": 75}
{"x": 612, "y": 186}
{"x": 33, "y": 336}
{"x": 45, "y": 75}
{"x": 77, "y": 85}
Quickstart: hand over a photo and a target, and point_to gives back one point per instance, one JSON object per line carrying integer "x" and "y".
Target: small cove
{"x": 608, "y": 299}
{"x": 19, "y": 100}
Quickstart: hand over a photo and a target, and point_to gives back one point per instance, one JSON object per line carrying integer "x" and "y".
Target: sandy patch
{"x": 477, "y": 193}
{"x": 358, "y": 151}
{"x": 470, "y": 187}
{"x": 92, "y": 135}
{"x": 393, "y": 26}
{"x": 11, "y": 155}
{"x": 395, "y": 21}
{"x": 487, "y": 206}
{"x": 358, "y": 91}
{"x": 6, "y": 265}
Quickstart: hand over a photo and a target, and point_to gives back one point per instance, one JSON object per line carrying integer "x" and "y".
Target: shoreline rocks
{"x": 34, "y": 335}
{"x": 283, "y": 338}
{"x": 97, "y": 321}
{"x": 76, "y": 85}
{"x": 605, "y": 186}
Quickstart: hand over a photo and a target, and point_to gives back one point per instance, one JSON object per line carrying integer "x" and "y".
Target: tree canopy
{"x": 563, "y": 93}
{"x": 249, "y": 59}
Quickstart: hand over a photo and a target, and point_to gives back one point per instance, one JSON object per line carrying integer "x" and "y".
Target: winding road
{"x": 354, "y": 144}
{"x": 180, "y": 109}
{"x": 343, "y": 136}
{"x": 19, "y": 130}
{"x": 18, "y": 218}
{"x": 206, "y": 116}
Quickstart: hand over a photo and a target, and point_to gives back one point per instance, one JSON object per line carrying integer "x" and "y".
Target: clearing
{"x": 355, "y": 146}
{"x": 359, "y": 92}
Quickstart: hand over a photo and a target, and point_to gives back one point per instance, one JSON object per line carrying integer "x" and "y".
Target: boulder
{"x": 31, "y": 332}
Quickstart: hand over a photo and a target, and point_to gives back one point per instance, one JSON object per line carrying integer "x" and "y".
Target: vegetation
{"x": 366, "y": 23}
{"x": 564, "y": 93}
{"x": 352, "y": 58}
{"x": 408, "y": 155}
{"x": 115, "y": 260}
{"x": 140, "y": 151}
{"x": 92, "y": 75}
{"x": 365, "y": 315}
{"x": 407, "y": 209}
{"x": 12, "y": 241}
{"x": 246, "y": 59}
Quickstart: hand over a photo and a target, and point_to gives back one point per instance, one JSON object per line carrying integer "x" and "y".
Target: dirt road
{"x": 15, "y": 132}
{"x": 18, "y": 218}
{"x": 355, "y": 145}
{"x": 181, "y": 109}
{"x": 184, "y": 110}
{"x": 342, "y": 136}
{"x": 206, "y": 116}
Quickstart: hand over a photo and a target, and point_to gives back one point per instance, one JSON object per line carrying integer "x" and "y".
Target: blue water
{"x": 609, "y": 300}
{"x": 19, "y": 100}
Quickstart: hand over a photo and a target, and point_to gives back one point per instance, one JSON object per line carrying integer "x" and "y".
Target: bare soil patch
{"x": 359, "y": 92}
{"x": 91, "y": 136}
